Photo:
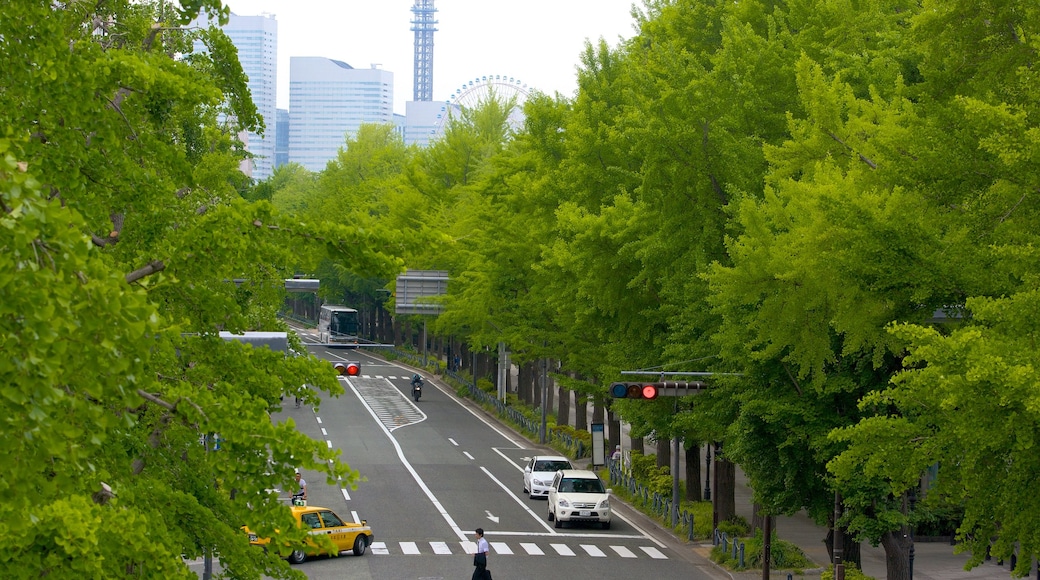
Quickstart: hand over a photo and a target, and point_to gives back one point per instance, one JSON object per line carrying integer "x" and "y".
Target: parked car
{"x": 539, "y": 472}
{"x": 323, "y": 522}
{"x": 578, "y": 495}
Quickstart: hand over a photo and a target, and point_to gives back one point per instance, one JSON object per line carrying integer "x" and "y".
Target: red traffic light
{"x": 350, "y": 369}
{"x": 633, "y": 390}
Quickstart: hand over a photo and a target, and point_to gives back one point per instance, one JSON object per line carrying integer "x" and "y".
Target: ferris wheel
{"x": 478, "y": 91}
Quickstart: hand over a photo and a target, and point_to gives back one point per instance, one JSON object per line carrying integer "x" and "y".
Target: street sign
{"x": 415, "y": 288}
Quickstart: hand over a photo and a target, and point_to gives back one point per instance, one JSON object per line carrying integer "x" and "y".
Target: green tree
{"x": 123, "y": 227}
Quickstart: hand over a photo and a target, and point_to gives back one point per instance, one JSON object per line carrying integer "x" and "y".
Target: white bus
{"x": 337, "y": 325}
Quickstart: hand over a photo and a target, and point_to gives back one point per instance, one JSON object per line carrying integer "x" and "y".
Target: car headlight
{"x": 564, "y": 503}
{"x": 539, "y": 482}
{"x": 604, "y": 505}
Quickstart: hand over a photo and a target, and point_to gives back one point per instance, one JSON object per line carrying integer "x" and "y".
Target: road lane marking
{"x": 562, "y": 549}
{"x": 654, "y": 553}
{"x": 440, "y": 547}
{"x": 518, "y": 500}
{"x": 623, "y": 551}
{"x": 466, "y": 453}
{"x": 404, "y": 461}
{"x": 346, "y": 495}
{"x": 593, "y": 551}
{"x": 501, "y": 548}
{"x": 379, "y": 548}
{"x": 532, "y": 549}
{"x": 409, "y": 548}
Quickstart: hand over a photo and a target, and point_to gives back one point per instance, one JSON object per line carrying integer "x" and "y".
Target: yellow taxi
{"x": 323, "y": 522}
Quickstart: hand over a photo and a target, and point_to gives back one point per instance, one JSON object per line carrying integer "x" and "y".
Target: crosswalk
{"x": 519, "y": 549}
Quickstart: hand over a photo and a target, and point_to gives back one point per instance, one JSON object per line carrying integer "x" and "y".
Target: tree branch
{"x": 147, "y": 270}
{"x": 862, "y": 157}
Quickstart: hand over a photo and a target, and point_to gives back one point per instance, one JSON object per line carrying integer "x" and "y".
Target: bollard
{"x": 742, "y": 554}
{"x": 689, "y": 535}
{"x": 790, "y": 576}
{"x": 734, "y": 549}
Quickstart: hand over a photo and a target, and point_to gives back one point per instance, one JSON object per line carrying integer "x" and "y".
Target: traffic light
{"x": 349, "y": 368}
{"x": 644, "y": 391}
{"x": 650, "y": 391}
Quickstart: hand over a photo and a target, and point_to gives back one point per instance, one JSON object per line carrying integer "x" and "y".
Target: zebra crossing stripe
{"x": 532, "y": 549}
{"x": 501, "y": 548}
{"x": 623, "y": 552}
{"x": 593, "y": 551}
{"x": 562, "y": 549}
{"x": 653, "y": 552}
{"x": 504, "y": 549}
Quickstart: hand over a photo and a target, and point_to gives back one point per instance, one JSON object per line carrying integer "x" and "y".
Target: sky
{"x": 538, "y": 42}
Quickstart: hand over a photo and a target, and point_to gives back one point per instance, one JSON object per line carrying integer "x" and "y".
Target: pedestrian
{"x": 300, "y": 496}
{"x": 480, "y": 557}
{"x": 616, "y": 456}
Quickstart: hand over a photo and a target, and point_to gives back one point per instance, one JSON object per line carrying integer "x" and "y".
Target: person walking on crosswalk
{"x": 480, "y": 557}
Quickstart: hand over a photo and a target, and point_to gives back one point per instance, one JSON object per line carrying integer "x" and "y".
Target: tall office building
{"x": 328, "y": 101}
{"x": 256, "y": 38}
{"x": 281, "y": 142}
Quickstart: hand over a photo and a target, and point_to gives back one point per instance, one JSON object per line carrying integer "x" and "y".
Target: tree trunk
{"x": 851, "y": 549}
{"x": 897, "y": 554}
{"x": 563, "y": 411}
{"x": 725, "y": 489}
{"x": 693, "y": 473}
{"x": 581, "y": 412}
{"x": 664, "y": 453}
{"x": 398, "y": 339}
{"x": 637, "y": 445}
{"x": 597, "y": 410}
{"x": 523, "y": 387}
{"x": 758, "y": 520}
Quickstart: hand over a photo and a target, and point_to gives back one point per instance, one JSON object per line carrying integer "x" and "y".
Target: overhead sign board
{"x": 417, "y": 290}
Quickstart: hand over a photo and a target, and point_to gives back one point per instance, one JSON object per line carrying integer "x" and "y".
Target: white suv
{"x": 577, "y": 495}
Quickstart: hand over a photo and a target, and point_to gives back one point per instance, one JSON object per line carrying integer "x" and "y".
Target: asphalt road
{"x": 435, "y": 470}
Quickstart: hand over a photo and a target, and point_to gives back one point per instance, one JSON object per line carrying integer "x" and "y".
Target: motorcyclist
{"x": 416, "y": 381}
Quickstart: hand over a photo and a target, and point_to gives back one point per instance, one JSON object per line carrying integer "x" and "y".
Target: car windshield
{"x": 551, "y": 465}
{"x": 582, "y": 485}
{"x": 331, "y": 520}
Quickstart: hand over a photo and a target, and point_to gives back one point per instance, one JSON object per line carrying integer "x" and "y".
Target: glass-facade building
{"x": 256, "y": 38}
{"x": 281, "y": 135}
{"x": 328, "y": 102}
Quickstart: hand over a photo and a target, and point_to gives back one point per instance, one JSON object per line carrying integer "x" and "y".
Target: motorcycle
{"x": 416, "y": 390}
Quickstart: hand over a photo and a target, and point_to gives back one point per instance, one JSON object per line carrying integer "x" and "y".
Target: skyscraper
{"x": 328, "y": 101}
{"x": 256, "y": 38}
{"x": 281, "y": 143}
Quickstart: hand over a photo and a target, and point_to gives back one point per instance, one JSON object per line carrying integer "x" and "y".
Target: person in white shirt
{"x": 301, "y": 493}
{"x": 480, "y": 557}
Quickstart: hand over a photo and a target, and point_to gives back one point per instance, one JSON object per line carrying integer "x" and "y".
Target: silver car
{"x": 539, "y": 472}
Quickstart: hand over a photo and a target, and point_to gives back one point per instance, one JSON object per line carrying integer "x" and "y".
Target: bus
{"x": 337, "y": 325}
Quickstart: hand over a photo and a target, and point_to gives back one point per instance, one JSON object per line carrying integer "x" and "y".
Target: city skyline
{"x": 473, "y": 38}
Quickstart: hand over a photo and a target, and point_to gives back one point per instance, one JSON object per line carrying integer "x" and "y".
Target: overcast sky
{"x": 535, "y": 41}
